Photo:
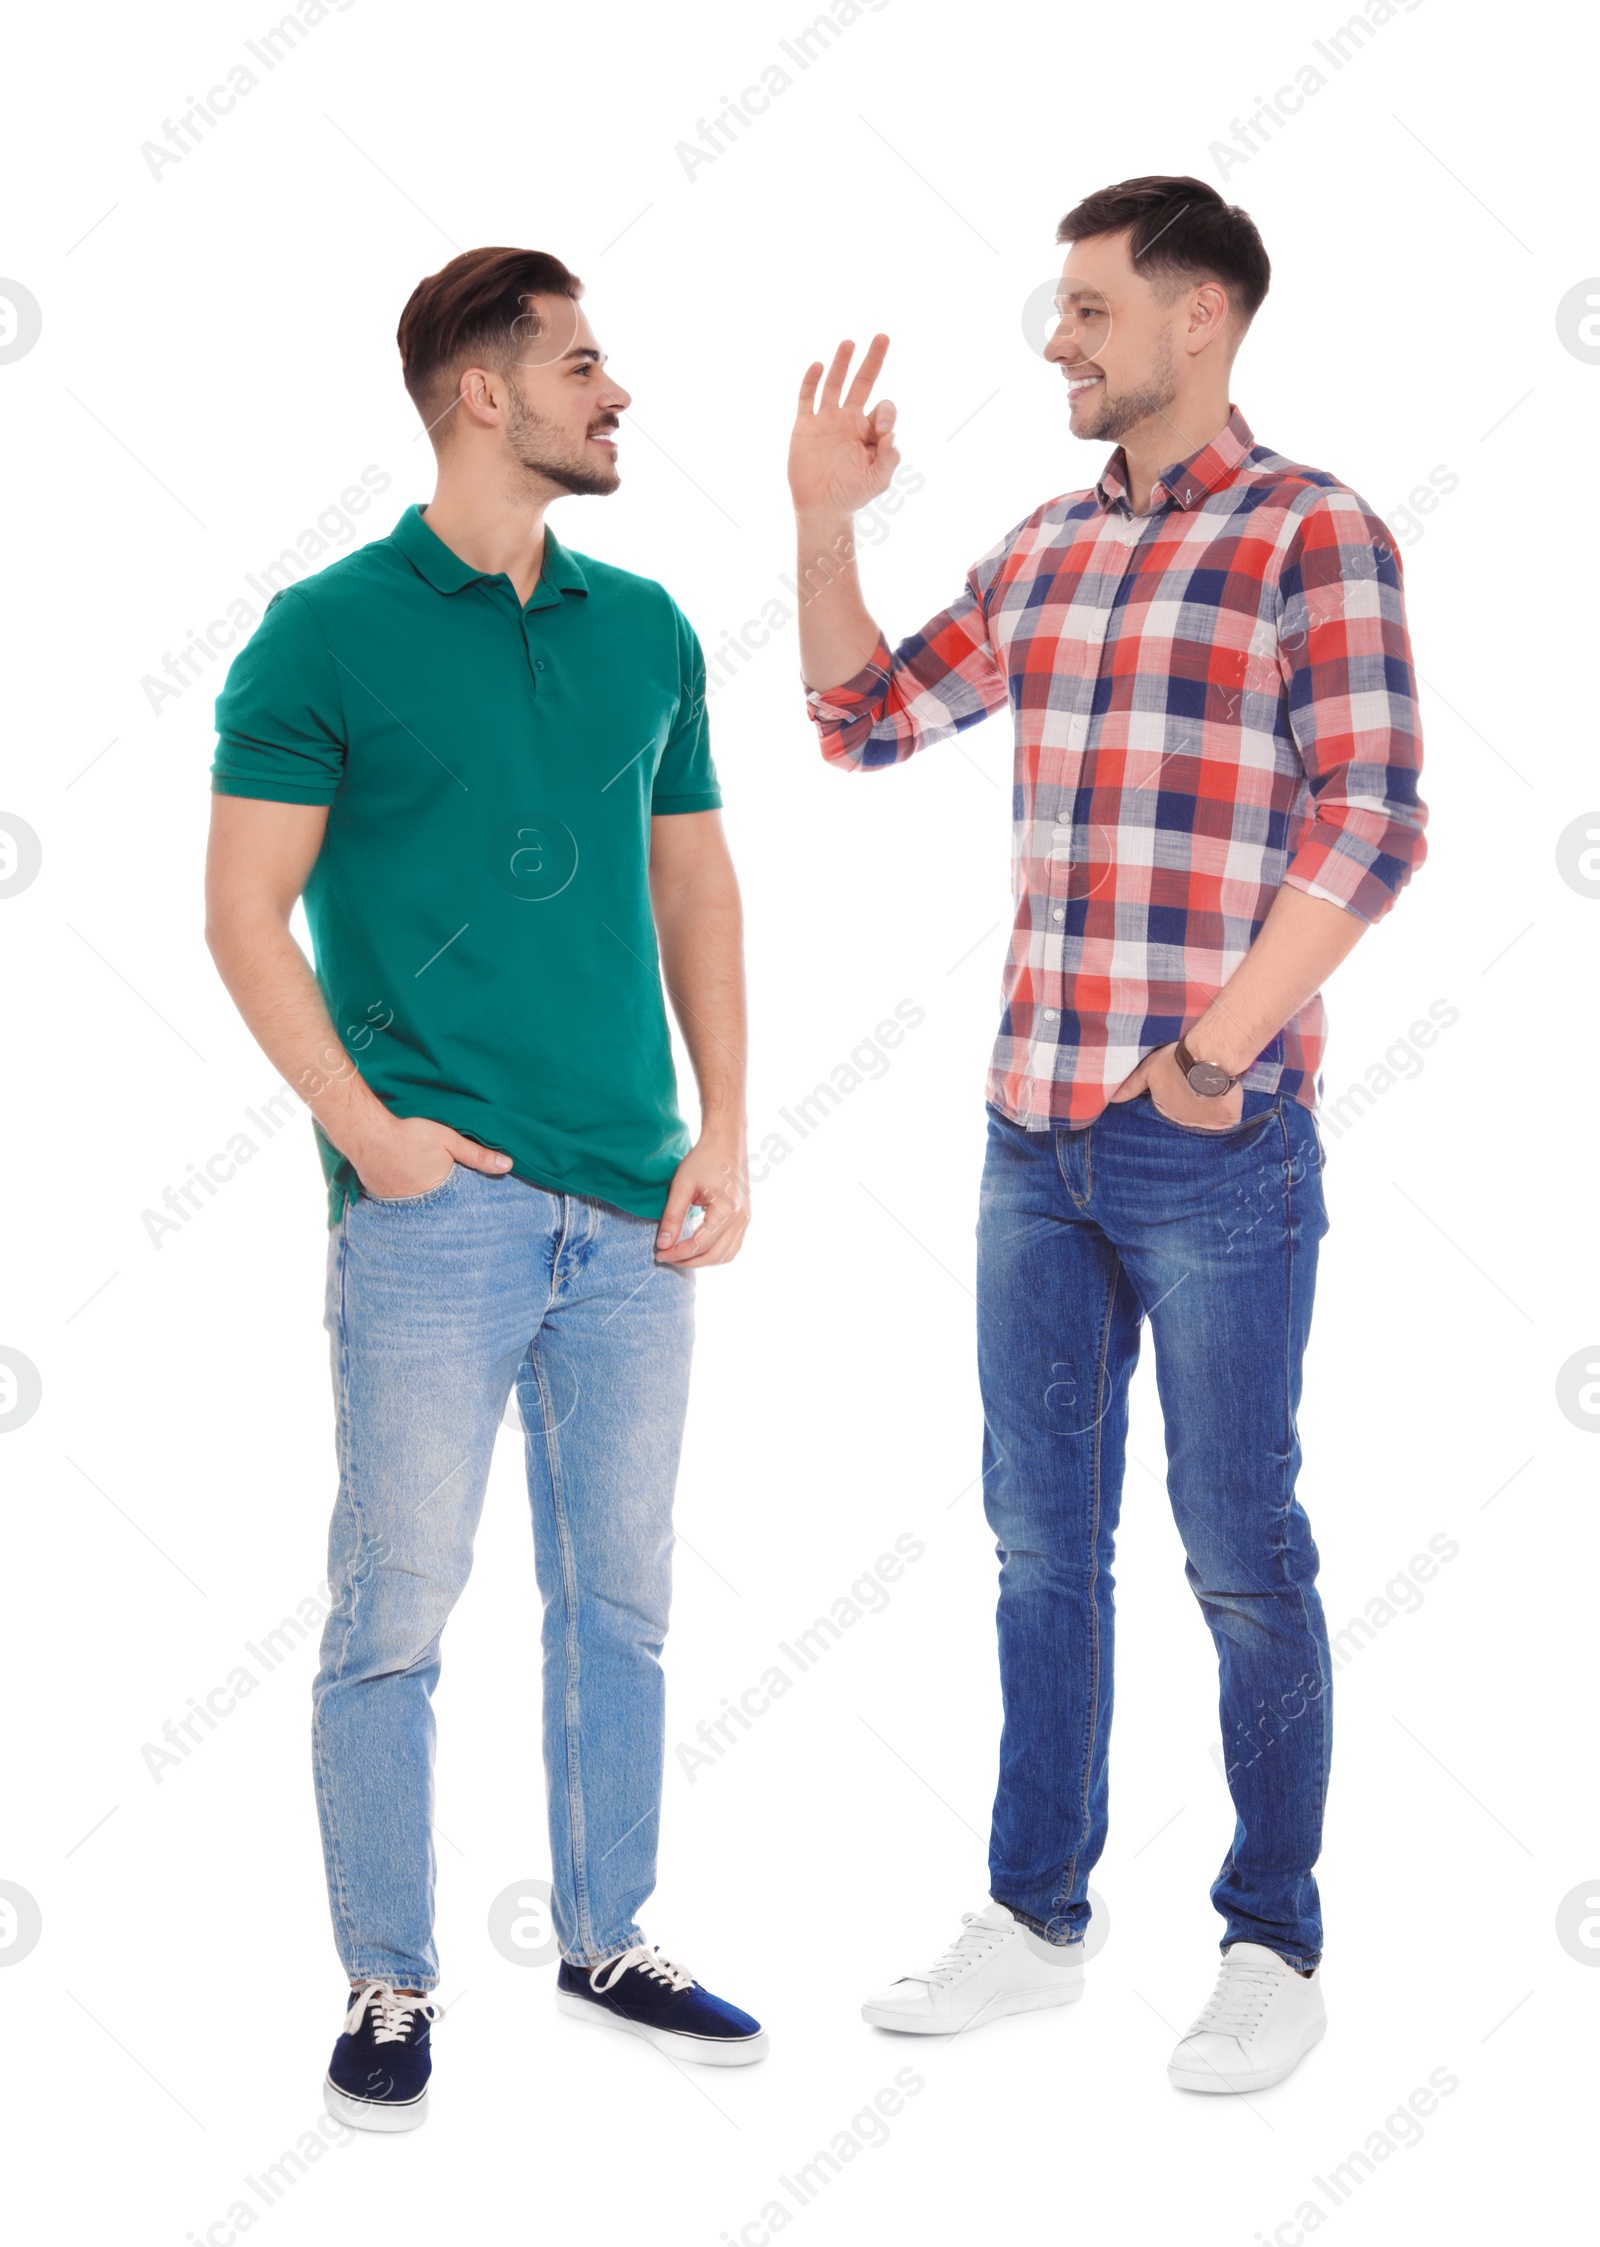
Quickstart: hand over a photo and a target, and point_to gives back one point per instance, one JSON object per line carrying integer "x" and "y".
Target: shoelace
{"x": 978, "y": 1936}
{"x": 391, "y": 2013}
{"x": 649, "y": 1962}
{"x": 1240, "y": 1998}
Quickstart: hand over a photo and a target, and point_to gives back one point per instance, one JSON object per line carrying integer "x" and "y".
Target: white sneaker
{"x": 994, "y": 1966}
{"x": 1258, "y": 2025}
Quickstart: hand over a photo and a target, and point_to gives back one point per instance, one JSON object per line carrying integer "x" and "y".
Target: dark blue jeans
{"x": 1082, "y": 1236}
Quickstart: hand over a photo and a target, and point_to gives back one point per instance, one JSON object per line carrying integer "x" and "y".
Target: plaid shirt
{"x": 1209, "y": 700}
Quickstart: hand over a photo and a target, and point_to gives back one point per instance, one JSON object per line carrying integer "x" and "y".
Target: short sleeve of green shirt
{"x": 280, "y": 715}
{"x": 686, "y": 778}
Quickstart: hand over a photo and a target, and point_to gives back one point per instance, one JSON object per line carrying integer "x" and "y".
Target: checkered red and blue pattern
{"x": 1209, "y": 700}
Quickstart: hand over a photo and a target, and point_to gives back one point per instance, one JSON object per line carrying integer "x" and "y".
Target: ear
{"x": 481, "y": 396}
{"x": 1208, "y": 315}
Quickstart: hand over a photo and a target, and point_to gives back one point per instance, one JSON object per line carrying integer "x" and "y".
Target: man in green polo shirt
{"x": 483, "y": 761}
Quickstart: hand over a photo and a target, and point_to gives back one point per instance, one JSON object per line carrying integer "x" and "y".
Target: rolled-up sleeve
{"x": 280, "y": 715}
{"x": 685, "y": 778}
{"x": 936, "y": 683}
{"x": 1345, "y": 657}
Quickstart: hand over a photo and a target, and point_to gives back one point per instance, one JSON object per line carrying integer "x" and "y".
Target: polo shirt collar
{"x": 1187, "y": 482}
{"x": 446, "y": 572}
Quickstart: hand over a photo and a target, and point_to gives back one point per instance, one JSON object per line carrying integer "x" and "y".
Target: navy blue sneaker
{"x": 648, "y": 1996}
{"x": 378, "y": 2076}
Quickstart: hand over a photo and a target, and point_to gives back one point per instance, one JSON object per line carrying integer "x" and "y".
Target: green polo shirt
{"x": 480, "y": 908}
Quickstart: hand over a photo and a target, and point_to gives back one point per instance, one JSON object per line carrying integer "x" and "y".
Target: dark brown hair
{"x": 1180, "y": 230}
{"x": 468, "y": 310}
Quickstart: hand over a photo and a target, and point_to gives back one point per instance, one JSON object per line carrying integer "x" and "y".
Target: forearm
{"x": 271, "y": 983}
{"x": 1300, "y": 943}
{"x": 700, "y": 934}
{"x": 837, "y": 630}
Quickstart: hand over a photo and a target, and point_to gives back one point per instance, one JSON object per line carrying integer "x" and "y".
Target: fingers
{"x": 867, "y": 373}
{"x": 721, "y": 1251}
{"x": 679, "y": 1200}
{"x": 715, "y": 1240}
{"x": 468, "y": 1151}
{"x": 838, "y": 368}
{"x": 831, "y": 381}
{"x": 880, "y": 437}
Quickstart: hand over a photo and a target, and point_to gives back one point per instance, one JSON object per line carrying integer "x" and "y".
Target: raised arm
{"x": 872, "y": 708}
{"x": 841, "y": 457}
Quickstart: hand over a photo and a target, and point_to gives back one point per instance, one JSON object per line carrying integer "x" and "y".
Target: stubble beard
{"x": 538, "y": 450}
{"x": 1115, "y": 416}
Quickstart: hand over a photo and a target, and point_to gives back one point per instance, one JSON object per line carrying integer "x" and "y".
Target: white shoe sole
{"x": 1260, "y": 2079}
{"x": 1009, "y": 2001}
{"x": 705, "y": 2051}
{"x": 368, "y": 2114}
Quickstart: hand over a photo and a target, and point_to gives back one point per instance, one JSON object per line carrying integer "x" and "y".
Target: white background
{"x": 216, "y": 365}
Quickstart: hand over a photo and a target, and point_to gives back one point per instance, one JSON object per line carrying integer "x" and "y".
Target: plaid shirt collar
{"x": 1187, "y": 482}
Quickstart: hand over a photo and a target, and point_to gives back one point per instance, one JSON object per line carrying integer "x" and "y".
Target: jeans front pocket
{"x": 1257, "y": 1107}
{"x": 412, "y": 1201}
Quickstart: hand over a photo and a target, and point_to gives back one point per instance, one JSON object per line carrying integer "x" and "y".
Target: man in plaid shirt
{"x": 1206, "y": 659}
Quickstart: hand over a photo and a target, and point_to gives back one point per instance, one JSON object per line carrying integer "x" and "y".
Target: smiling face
{"x": 562, "y": 409}
{"x": 1126, "y": 347}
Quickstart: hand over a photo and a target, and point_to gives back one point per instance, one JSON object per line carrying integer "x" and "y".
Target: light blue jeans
{"x": 437, "y": 1304}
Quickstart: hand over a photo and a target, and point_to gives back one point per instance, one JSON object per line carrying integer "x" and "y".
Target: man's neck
{"x": 490, "y": 533}
{"x": 1164, "y": 438}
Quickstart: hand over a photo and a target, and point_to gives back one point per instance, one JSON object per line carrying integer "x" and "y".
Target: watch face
{"x": 1206, "y": 1079}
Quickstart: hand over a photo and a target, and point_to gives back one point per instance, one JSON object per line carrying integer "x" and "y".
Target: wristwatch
{"x": 1207, "y": 1079}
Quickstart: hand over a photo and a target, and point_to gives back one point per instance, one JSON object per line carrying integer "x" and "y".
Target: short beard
{"x": 1116, "y": 416}
{"x": 533, "y": 446}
